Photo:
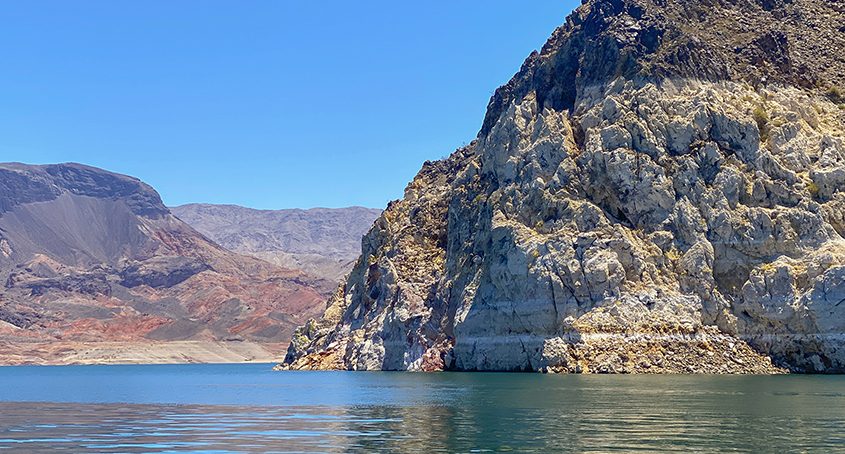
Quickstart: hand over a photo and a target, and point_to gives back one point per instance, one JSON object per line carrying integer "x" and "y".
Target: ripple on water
{"x": 145, "y": 428}
{"x": 424, "y": 413}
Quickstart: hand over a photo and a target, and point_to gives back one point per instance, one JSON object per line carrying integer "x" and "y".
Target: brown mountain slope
{"x": 94, "y": 264}
{"x": 321, "y": 241}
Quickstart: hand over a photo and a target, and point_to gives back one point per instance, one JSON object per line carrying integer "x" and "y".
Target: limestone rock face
{"x": 660, "y": 189}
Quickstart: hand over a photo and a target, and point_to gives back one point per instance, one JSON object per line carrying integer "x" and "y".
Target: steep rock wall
{"x": 633, "y": 203}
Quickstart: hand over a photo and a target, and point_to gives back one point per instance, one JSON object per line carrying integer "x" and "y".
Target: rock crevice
{"x": 659, "y": 189}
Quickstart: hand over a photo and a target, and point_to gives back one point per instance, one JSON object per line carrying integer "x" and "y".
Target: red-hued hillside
{"x": 96, "y": 269}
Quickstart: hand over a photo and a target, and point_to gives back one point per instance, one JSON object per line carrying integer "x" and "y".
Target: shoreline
{"x": 139, "y": 353}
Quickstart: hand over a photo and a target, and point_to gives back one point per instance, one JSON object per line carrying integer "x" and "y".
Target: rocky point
{"x": 661, "y": 188}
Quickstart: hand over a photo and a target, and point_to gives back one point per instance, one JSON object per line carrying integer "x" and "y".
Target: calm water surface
{"x": 249, "y": 408}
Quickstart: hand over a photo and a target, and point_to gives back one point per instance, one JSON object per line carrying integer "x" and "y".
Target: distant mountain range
{"x": 94, "y": 268}
{"x": 322, "y": 241}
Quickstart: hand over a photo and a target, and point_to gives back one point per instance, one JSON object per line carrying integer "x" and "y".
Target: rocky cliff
{"x": 320, "y": 241}
{"x": 661, "y": 188}
{"x": 91, "y": 258}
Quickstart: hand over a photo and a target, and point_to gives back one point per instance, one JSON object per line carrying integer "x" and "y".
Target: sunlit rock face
{"x": 660, "y": 189}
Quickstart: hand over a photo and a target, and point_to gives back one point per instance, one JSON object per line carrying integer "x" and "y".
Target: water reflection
{"x": 464, "y": 413}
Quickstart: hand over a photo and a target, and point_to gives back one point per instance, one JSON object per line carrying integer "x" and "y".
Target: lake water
{"x": 249, "y": 408}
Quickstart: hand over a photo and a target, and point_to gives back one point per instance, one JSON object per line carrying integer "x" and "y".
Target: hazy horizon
{"x": 265, "y": 105}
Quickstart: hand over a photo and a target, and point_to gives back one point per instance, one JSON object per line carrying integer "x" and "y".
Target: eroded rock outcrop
{"x": 660, "y": 189}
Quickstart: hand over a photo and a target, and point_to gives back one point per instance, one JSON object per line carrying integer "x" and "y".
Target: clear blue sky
{"x": 267, "y": 104}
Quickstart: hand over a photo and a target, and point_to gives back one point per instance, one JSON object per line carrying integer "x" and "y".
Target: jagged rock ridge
{"x": 660, "y": 189}
{"x": 89, "y": 257}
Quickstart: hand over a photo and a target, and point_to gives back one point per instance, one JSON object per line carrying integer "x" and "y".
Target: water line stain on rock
{"x": 660, "y": 189}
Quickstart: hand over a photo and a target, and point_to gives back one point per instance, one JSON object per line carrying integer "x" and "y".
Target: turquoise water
{"x": 249, "y": 408}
